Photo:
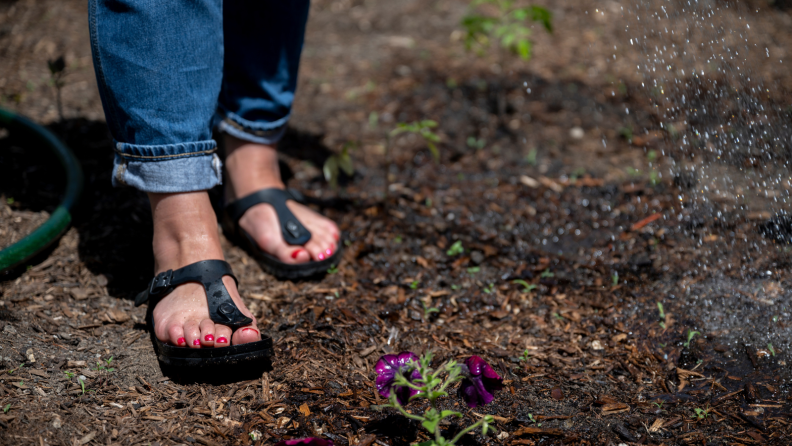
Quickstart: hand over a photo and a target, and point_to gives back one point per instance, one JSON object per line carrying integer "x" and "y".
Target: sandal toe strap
{"x": 294, "y": 233}
{"x": 209, "y": 273}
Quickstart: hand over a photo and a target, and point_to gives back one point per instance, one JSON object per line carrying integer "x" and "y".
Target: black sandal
{"x": 294, "y": 233}
{"x": 222, "y": 310}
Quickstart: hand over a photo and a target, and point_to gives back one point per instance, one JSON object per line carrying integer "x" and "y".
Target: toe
{"x": 176, "y": 335}
{"x": 245, "y": 335}
{"x": 192, "y": 333}
{"x": 317, "y": 248}
{"x": 207, "y": 333}
{"x": 222, "y": 336}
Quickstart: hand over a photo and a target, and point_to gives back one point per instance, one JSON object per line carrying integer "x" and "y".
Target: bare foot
{"x": 185, "y": 232}
{"x": 252, "y": 167}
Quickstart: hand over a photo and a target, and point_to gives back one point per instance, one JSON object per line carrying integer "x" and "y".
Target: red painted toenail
{"x": 251, "y": 329}
{"x": 329, "y": 252}
{"x": 197, "y": 342}
{"x": 181, "y": 341}
{"x": 222, "y": 340}
{"x": 209, "y": 338}
{"x": 296, "y": 253}
{"x": 321, "y": 256}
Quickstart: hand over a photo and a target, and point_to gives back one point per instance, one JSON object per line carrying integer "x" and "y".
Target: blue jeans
{"x": 169, "y": 71}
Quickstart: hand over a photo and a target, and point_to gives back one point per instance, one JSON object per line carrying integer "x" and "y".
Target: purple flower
{"x": 480, "y": 383}
{"x": 387, "y": 367}
{"x": 305, "y": 441}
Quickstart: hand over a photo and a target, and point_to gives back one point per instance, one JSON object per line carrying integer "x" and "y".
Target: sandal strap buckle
{"x": 161, "y": 283}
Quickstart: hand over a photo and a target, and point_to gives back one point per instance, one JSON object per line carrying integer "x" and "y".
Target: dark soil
{"x": 559, "y": 196}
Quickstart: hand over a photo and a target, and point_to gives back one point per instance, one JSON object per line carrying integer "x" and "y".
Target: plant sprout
{"x": 507, "y": 26}
{"x": 690, "y": 335}
{"x": 527, "y": 287}
{"x": 770, "y": 347}
{"x": 662, "y": 315}
{"x": 337, "y": 163}
{"x": 455, "y": 249}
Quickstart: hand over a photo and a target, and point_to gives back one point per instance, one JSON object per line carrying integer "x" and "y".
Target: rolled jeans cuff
{"x": 256, "y": 132}
{"x": 171, "y": 168}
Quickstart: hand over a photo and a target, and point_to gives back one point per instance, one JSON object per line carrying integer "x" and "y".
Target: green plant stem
{"x": 395, "y": 403}
{"x": 466, "y": 430}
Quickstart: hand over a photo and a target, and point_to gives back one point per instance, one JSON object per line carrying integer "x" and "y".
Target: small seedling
{"x": 577, "y": 173}
{"x": 10, "y": 200}
{"x": 422, "y": 129}
{"x": 105, "y": 368}
{"x": 332, "y": 270}
{"x": 772, "y": 350}
{"x": 11, "y": 372}
{"x": 414, "y": 285}
{"x": 398, "y": 239}
{"x": 7, "y": 408}
{"x": 477, "y": 144}
{"x": 69, "y": 375}
{"x": 651, "y": 156}
{"x": 533, "y": 420}
{"x": 558, "y": 317}
{"x": 82, "y": 385}
{"x": 615, "y": 279}
{"x": 658, "y": 404}
{"x": 546, "y": 274}
{"x": 525, "y": 357}
{"x": 473, "y": 269}
{"x": 531, "y": 157}
{"x": 701, "y": 414}
{"x": 455, "y": 249}
{"x": 633, "y": 172}
{"x": 428, "y": 311}
{"x": 654, "y": 178}
{"x": 690, "y": 335}
{"x": 337, "y": 163}
{"x": 662, "y": 315}
{"x": 626, "y": 133}
{"x": 455, "y": 287}
{"x": 508, "y": 27}
{"x": 775, "y": 318}
{"x": 489, "y": 289}
{"x": 527, "y": 287}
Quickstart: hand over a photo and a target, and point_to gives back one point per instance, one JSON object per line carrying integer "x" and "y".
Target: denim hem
{"x": 258, "y": 132}
{"x": 163, "y": 152}
{"x": 172, "y": 175}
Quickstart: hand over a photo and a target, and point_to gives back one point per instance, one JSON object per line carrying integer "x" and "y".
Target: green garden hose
{"x": 44, "y": 235}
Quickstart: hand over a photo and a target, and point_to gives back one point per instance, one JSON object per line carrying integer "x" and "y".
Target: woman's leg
{"x": 159, "y": 69}
{"x": 263, "y": 41}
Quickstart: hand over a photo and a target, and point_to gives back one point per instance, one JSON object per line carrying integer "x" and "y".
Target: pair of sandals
{"x": 210, "y": 273}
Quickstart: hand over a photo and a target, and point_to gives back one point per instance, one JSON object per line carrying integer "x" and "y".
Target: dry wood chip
{"x": 118, "y": 315}
{"x": 305, "y": 410}
{"x": 528, "y": 430}
{"x": 206, "y": 442}
{"x": 153, "y": 418}
{"x": 495, "y": 417}
{"x": 38, "y": 372}
{"x": 610, "y": 409}
{"x": 685, "y": 374}
{"x": 656, "y": 426}
{"x": 87, "y": 438}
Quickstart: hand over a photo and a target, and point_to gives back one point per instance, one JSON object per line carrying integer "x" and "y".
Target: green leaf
{"x": 524, "y": 49}
{"x": 345, "y": 163}
{"x": 450, "y": 413}
{"x": 455, "y": 249}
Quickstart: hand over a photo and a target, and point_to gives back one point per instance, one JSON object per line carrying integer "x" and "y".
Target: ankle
{"x": 250, "y": 167}
{"x": 185, "y": 230}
